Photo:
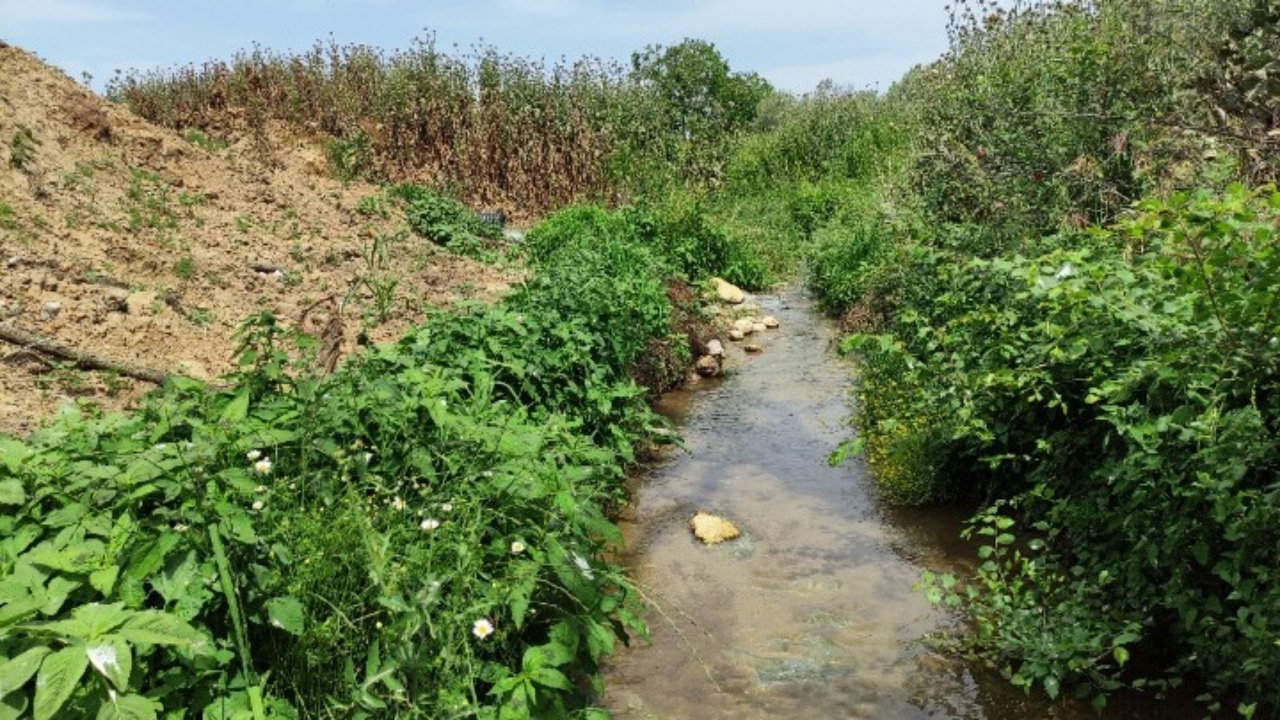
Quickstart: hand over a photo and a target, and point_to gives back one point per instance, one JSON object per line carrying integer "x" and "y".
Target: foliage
{"x": 1124, "y": 393}
{"x": 1058, "y": 114}
{"x": 421, "y": 534}
{"x": 446, "y": 221}
{"x": 677, "y": 233}
{"x": 702, "y": 102}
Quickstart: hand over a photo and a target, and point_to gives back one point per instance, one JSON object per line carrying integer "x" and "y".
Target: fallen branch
{"x": 81, "y": 358}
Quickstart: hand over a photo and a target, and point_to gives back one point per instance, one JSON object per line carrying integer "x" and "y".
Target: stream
{"x": 811, "y": 612}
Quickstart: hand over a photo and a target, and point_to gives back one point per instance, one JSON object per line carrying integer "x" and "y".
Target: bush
{"x": 1123, "y": 398}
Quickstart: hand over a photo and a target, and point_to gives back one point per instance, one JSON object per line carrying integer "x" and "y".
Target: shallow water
{"x": 811, "y": 613}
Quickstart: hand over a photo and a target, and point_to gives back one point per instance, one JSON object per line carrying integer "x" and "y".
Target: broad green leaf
{"x": 550, "y": 677}
{"x": 287, "y": 614}
{"x": 15, "y": 672}
{"x": 19, "y": 610}
{"x": 13, "y": 706}
{"x": 112, "y": 657}
{"x": 12, "y": 492}
{"x": 59, "y": 674}
{"x": 153, "y": 627}
{"x": 1051, "y": 687}
{"x": 12, "y": 453}
{"x": 129, "y": 707}
{"x": 236, "y": 410}
{"x": 1122, "y": 656}
{"x": 104, "y": 580}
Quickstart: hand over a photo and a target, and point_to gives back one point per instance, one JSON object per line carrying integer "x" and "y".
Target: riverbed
{"x": 811, "y": 613}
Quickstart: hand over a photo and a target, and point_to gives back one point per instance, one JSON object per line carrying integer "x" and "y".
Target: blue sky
{"x": 794, "y": 43}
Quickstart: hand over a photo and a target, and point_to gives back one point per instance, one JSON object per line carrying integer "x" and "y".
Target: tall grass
{"x": 495, "y": 129}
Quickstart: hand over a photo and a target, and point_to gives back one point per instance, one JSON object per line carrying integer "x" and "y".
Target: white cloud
{"x": 65, "y": 12}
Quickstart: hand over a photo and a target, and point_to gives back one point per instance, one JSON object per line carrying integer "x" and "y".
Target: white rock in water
{"x": 753, "y": 348}
{"x": 758, "y": 327}
{"x": 711, "y": 529}
{"x": 715, "y": 348}
{"x": 770, "y": 321}
{"x": 728, "y": 292}
{"x": 736, "y": 334}
{"x": 745, "y": 325}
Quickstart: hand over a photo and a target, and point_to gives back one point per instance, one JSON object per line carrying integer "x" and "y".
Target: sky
{"x": 794, "y": 44}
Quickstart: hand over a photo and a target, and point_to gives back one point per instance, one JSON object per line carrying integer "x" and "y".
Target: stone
{"x": 744, "y": 325}
{"x": 707, "y": 366}
{"x": 752, "y": 348}
{"x": 192, "y": 369}
{"x": 770, "y": 321}
{"x": 735, "y": 334}
{"x": 50, "y": 310}
{"x": 715, "y": 348}
{"x": 758, "y": 327}
{"x": 712, "y": 529}
{"x": 728, "y": 292}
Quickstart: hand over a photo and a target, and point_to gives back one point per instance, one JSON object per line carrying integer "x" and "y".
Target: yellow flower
{"x": 482, "y": 628}
{"x": 517, "y": 547}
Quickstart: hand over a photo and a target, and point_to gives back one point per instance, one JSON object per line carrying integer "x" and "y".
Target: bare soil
{"x": 134, "y": 242}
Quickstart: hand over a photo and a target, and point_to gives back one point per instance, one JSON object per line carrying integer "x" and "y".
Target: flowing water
{"x": 811, "y": 613}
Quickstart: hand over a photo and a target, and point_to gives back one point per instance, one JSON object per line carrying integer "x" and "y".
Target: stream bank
{"x": 811, "y": 613}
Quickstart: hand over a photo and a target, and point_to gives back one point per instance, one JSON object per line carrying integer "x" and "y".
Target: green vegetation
{"x": 22, "y": 148}
{"x": 1063, "y": 280}
{"x": 1054, "y": 247}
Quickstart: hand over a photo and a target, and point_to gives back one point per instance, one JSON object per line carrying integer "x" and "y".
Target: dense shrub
{"x": 422, "y": 534}
{"x": 1124, "y": 396}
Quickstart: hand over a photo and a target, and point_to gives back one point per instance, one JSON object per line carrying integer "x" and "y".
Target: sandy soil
{"x": 147, "y": 246}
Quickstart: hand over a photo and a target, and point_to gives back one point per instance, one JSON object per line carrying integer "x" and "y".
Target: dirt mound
{"x": 133, "y": 242}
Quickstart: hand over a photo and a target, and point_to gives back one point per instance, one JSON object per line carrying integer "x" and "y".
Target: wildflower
{"x": 263, "y": 466}
{"x": 429, "y": 524}
{"x": 482, "y": 628}
{"x": 258, "y": 504}
{"x": 446, "y": 507}
{"x": 398, "y": 504}
{"x": 260, "y": 488}
{"x": 253, "y": 455}
{"x": 517, "y": 547}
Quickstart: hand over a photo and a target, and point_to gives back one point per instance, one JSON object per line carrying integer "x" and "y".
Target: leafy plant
{"x": 22, "y": 148}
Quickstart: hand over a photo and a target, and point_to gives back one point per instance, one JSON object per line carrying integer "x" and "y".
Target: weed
{"x": 22, "y": 148}
{"x": 8, "y": 217}
{"x": 201, "y": 139}
{"x": 185, "y": 267}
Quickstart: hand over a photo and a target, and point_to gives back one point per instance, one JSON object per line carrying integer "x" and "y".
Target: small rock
{"x": 770, "y": 321}
{"x": 707, "y": 366}
{"x": 745, "y": 325}
{"x": 758, "y": 327}
{"x": 752, "y": 348}
{"x": 50, "y": 310}
{"x": 711, "y": 529}
{"x": 728, "y": 292}
{"x": 116, "y": 299}
{"x": 192, "y": 369}
{"x": 735, "y": 334}
{"x": 715, "y": 348}
{"x": 141, "y": 303}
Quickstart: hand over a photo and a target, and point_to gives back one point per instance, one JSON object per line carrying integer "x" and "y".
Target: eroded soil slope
{"x": 147, "y": 246}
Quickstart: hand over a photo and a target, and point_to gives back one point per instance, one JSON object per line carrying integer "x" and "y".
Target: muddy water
{"x": 811, "y": 613}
